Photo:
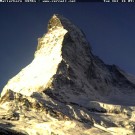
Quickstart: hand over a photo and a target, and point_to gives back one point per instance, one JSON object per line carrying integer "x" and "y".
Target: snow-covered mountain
{"x": 67, "y": 90}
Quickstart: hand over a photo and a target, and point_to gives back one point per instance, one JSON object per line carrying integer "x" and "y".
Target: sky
{"x": 109, "y": 27}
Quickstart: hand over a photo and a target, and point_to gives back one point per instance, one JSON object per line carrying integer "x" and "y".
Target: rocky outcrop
{"x": 67, "y": 90}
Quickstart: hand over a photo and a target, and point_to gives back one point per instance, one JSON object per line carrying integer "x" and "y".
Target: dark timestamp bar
{"x": 69, "y": 1}
{"x": 52, "y": 1}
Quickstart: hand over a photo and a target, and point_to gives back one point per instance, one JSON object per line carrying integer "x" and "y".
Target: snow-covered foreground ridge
{"x": 67, "y": 90}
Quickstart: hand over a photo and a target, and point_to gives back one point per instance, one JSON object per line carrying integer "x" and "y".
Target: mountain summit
{"x": 67, "y": 90}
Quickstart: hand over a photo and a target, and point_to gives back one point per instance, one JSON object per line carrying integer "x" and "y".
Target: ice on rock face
{"x": 55, "y": 47}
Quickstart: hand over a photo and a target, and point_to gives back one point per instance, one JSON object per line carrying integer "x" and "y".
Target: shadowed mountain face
{"x": 67, "y": 85}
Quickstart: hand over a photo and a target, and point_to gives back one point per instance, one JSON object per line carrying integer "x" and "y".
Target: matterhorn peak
{"x": 63, "y": 43}
{"x": 54, "y": 22}
{"x": 66, "y": 90}
{"x": 59, "y": 21}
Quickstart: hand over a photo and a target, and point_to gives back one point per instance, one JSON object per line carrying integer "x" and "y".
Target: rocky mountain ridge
{"x": 67, "y": 90}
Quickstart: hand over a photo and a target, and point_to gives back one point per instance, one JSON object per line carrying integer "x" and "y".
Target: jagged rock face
{"x": 66, "y": 87}
{"x": 61, "y": 59}
{"x": 65, "y": 67}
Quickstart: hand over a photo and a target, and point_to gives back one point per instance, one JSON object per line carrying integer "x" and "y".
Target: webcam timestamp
{"x": 58, "y": 0}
